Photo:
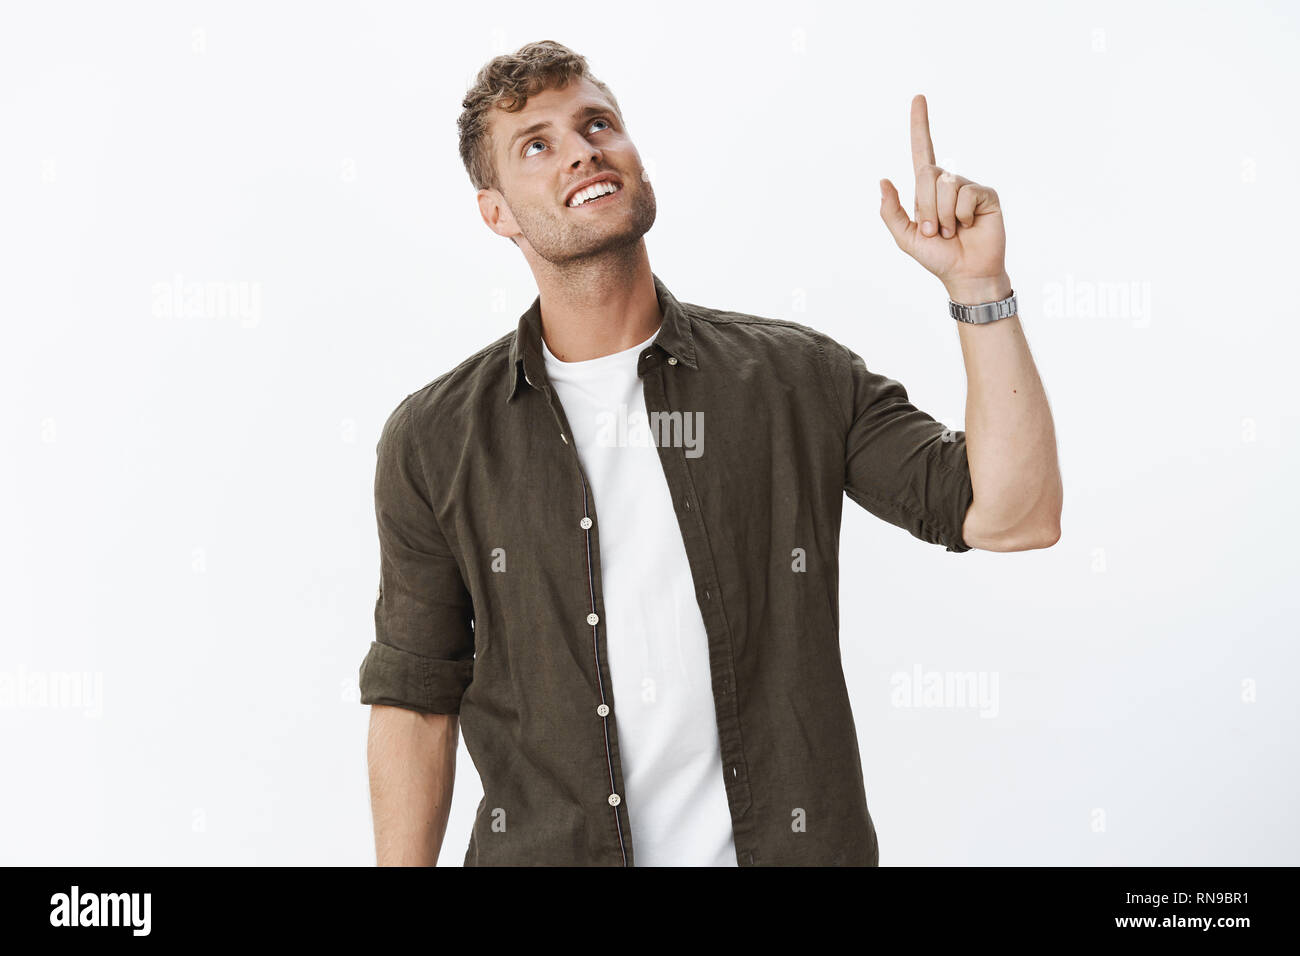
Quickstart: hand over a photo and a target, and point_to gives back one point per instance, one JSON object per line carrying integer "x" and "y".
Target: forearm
{"x": 412, "y": 765}
{"x": 1010, "y": 438}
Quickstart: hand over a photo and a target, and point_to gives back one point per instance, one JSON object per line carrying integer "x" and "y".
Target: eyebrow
{"x": 581, "y": 113}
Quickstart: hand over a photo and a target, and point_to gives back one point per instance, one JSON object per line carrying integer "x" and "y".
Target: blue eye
{"x": 536, "y": 141}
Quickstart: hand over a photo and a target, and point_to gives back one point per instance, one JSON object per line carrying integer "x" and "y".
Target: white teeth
{"x": 592, "y": 192}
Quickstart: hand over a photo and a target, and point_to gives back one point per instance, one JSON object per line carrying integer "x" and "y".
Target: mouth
{"x": 600, "y": 191}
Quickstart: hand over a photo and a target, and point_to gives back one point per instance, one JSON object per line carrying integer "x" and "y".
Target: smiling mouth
{"x": 599, "y": 200}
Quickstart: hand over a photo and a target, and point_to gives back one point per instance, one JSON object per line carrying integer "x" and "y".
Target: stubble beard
{"x": 564, "y": 242}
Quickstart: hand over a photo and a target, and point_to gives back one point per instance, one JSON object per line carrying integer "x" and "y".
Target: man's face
{"x": 560, "y": 139}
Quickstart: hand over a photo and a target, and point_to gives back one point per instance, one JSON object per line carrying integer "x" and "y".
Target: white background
{"x": 186, "y": 505}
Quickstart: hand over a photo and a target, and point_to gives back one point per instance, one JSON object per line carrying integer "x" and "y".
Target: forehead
{"x": 554, "y": 105}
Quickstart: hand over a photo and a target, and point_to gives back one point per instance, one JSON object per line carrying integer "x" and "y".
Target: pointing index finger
{"x": 922, "y": 148}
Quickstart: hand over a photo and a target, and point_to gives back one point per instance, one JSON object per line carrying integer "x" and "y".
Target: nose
{"x": 582, "y": 149}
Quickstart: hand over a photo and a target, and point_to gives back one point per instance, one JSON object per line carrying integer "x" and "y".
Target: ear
{"x": 492, "y": 207}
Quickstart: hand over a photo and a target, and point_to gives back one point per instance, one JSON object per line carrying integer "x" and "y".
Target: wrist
{"x": 979, "y": 290}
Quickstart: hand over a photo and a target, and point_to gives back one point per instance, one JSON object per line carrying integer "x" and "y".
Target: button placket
{"x": 721, "y": 649}
{"x": 593, "y": 619}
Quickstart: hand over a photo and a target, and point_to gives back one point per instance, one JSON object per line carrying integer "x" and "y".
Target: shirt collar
{"x": 673, "y": 339}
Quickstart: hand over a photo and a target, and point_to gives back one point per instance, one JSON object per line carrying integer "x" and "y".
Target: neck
{"x": 598, "y": 306}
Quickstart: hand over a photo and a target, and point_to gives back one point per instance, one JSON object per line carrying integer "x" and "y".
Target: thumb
{"x": 891, "y": 211}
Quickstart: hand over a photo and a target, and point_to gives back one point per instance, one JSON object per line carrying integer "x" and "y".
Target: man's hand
{"x": 958, "y": 233}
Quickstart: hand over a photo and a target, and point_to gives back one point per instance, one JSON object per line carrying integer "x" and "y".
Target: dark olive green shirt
{"x": 490, "y": 601}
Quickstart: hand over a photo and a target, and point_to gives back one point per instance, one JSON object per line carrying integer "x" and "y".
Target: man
{"x": 634, "y": 619}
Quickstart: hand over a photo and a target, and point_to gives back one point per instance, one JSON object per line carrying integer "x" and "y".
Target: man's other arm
{"x": 412, "y": 762}
{"x": 422, "y": 659}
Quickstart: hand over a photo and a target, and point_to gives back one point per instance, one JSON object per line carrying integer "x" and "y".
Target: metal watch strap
{"x": 985, "y": 311}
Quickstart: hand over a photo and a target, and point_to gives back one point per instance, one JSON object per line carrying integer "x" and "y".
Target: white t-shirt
{"x": 657, "y": 645}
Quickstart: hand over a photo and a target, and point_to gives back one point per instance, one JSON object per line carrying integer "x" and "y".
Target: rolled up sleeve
{"x": 900, "y": 464}
{"x": 422, "y": 655}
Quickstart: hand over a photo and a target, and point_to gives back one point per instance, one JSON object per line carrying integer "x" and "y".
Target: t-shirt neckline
{"x": 601, "y": 361}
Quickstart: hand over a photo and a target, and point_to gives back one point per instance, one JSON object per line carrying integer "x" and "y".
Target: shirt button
{"x": 585, "y": 522}
{"x": 688, "y": 504}
{"x": 592, "y": 618}
{"x": 672, "y": 360}
{"x": 615, "y": 799}
{"x": 603, "y": 710}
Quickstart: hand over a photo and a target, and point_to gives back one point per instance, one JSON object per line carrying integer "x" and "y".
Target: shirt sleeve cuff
{"x": 399, "y": 678}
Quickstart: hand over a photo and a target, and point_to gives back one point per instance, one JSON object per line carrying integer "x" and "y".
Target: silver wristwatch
{"x": 985, "y": 311}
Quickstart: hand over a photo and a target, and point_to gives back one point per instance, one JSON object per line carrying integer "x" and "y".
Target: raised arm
{"x": 959, "y": 236}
